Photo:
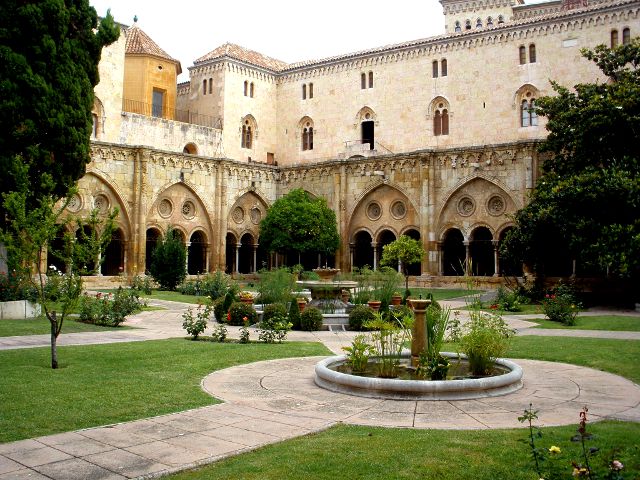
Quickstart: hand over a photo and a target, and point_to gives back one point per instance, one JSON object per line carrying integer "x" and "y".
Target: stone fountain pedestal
{"x": 326, "y": 293}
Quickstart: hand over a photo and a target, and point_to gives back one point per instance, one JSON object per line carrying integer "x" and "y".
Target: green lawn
{"x": 379, "y": 454}
{"x": 443, "y": 293}
{"x": 616, "y": 323}
{"x": 166, "y": 295}
{"x": 103, "y": 384}
{"x": 41, "y": 326}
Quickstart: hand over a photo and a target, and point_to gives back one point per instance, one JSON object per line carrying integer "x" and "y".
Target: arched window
{"x": 311, "y": 90}
{"x": 247, "y": 133}
{"x": 94, "y": 126}
{"x": 443, "y": 67}
{"x": 251, "y": 90}
{"x": 440, "y": 118}
{"x": 363, "y": 81}
{"x": 204, "y": 86}
{"x": 467, "y": 25}
{"x": 626, "y": 36}
{"x": 370, "y": 79}
{"x": 614, "y": 38}
{"x": 532, "y": 53}
{"x": 523, "y": 55}
{"x": 434, "y": 69}
{"x": 210, "y": 85}
{"x": 489, "y": 22}
{"x": 307, "y": 137}
{"x": 304, "y": 91}
{"x": 458, "y": 28}
{"x": 500, "y": 19}
{"x": 246, "y": 88}
{"x": 478, "y": 23}
{"x": 528, "y": 114}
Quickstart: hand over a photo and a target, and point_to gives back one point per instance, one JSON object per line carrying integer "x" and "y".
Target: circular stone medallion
{"x": 75, "y": 203}
{"x": 398, "y": 210}
{"x": 496, "y": 205}
{"x": 101, "y": 202}
{"x": 256, "y": 215}
{"x": 188, "y": 209}
{"x": 165, "y": 208}
{"x": 374, "y": 211}
{"x": 466, "y": 206}
{"x": 238, "y": 215}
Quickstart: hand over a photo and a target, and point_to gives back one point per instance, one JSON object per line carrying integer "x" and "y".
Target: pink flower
{"x": 616, "y": 465}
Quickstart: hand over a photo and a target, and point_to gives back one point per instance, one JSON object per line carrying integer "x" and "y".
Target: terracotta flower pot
{"x": 302, "y": 303}
{"x": 396, "y": 300}
{"x": 374, "y": 304}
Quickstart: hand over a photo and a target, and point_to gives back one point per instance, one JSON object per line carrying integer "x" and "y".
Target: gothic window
{"x": 370, "y": 79}
{"x": 489, "y": 22}
{"x": 363, "y": 81}
{"x": 443, "y": 67}
{"x": 532, "y": 53}
{"x": 458, "y": 28}
{"x": 614, "y": 38}
{"x": 500, "y": 19}
{"x": 304, "y": 91}
{"x": 307, "y": 136}
{"x": 478, "y": 23}
{"x": 467, "y": 25}
{"x": 528, "y": 114}
{"x": 94, "y": 127}
{"x": 523, "y": 55}
{"x": 311, "y": 90}
{"x": 251, "y": 90}
{"x": 440, "y": 118}
{"x": 434, "y": 69}
{"x": 626, "y": 36}
{"x": 248, "y": 131}
{"x": 246, "y": 88}
{"x": 204, "y": 86}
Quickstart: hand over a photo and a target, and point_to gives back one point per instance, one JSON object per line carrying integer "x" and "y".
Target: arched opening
{"x": 385, "y": 238}
{"x": 56, "y": 251}
{"x": 197, "y": 254}
{"x": 86, "y": 264}
{"x": 368, "y": 133}
{"x": 153, "y": 236}
{"x": 416, "y": 268}
{"x": 453, "y": 253}
{"x": 481, "y": 252}
{"x": 509, "y": 268}
{"x": 114, "y": 255}
{"x": 245, "y": 260}
{"x": 230, "y": 253}
{"x": 190, "y": 148}
{"x": 362, "y": 250}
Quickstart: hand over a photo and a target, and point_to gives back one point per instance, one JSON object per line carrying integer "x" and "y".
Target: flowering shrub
{"x": 274, "y": 330}
{"x": 244, "y": 331}
{"x": 196, "y": 324}
{"x": 238, "y": 311}
{"x": 14, "y": 287}
{"x": 560, "y": 305}
{"x": 109, "y": 310}
{"x": 219, "y": 333}
{"x": 506, "y": 301}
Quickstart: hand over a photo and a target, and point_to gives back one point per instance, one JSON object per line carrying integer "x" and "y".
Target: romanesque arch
{"x": 243, "y": 225}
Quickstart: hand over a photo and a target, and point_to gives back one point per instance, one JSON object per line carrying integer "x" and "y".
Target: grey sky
{"x": 287, "y": 30}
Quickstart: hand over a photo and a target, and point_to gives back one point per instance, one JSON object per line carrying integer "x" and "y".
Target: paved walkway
{"x": 267, "y": 402}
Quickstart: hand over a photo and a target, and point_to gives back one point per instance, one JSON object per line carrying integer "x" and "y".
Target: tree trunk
{"x": 54, "y": 339}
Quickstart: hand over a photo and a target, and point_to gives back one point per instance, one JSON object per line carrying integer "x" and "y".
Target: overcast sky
{"x": 288, "y": 30}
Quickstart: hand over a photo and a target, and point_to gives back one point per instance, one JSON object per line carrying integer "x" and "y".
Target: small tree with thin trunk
{"x": 168, "y": 262}
{"x": 405, "y": 250}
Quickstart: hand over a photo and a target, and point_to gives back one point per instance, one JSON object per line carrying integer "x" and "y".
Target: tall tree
{"x": 49, "y": 54}
{"x": 588, "y": 197}
{"x": 299, "y": 223}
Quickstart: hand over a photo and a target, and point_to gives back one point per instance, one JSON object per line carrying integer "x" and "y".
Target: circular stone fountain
{"x": 326, "y": 293}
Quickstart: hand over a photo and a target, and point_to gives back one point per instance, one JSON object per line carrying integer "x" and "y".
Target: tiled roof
{"x": 243, "y": 54}
{"x": 140, "y": 43}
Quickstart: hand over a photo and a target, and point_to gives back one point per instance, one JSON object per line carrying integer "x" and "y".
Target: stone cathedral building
{"x": 433, "y": 138}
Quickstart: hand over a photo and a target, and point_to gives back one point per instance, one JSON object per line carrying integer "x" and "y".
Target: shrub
{"x": 294, "y": 314}
{"x": 141, "y": 284}
{"x": 359, "y": 315}
{"x": 219, "y": 333}
{"x": 483, "y": 339}
{"x": 560, "y": 305}
{"x": 274, "y": 330}
{"x": 238, "y": 311}
{"x": 358, "y": 353}
{"x": 168, "y": 261}
{"x": 275, "y": 286}
{"x": 221, "y": 305}
{"x": 507, "y": 301}
{"x": 196, "y": 324}
{"x": 107, "y": 311}
{"x": 272, "y": 310}
{"x": 311, "y": 319}
{"x": 244, "y": 333}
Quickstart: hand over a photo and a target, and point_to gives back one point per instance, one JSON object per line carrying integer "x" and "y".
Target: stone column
{"x": 496, "y": 258}
{"x": 352, "y": 247}
{"x": 440, "y": 246}
{"x": 237, "y": 269}
{"x": 419, "y": 339}
{"x": 374, "y": 245}
{"x": 573, "y": 268}
{"x": 186, "y": 260}
{"x": 467, "y": 258}
{"x": 255, "y": 258}
{"x": 207, "y": 250}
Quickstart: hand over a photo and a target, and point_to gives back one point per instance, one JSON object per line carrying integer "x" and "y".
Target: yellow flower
{"x": 554, "y": 449}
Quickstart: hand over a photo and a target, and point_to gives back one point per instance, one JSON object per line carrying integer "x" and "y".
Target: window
{"x": 246, "y": 88}
{"x": 500, "y": 19}
{"x": 614, "y": 38}
{"x": 467, "y": 25}
{"x": 532, "y": 53}
{"x": 210, "y": 85}
{"x": 251, "y": 89}
{"x": 247, "y": 135}
{"x": 434, "y": 69}
{"x": 478, "y": 23}
{"x": 440, "y": 119}
{"x": 458, "y": 28}
{"x": 311, "y": 90}
{"x": 523, "y": 55}
{"x": 370, "y": 79}
{"x": 204, "y": 86}
{"x": 363, "y": 81}
{"x": 528, "y": 114}
{"x": 489, "y": 22}
{"x": 626, "y": 36}
{"x": 304, "y": 91}
{"x": 94, "y": 127}
{"x": 307, "y": 137}
{"x": 157, "y": 106}
{"x": 443, "y": 67}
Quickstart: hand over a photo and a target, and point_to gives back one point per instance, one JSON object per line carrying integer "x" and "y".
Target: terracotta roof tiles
{"x": 138, "y": 42}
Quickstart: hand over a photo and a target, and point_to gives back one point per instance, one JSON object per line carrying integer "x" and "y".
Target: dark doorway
{"x": 56, "y": 252}
{"x": 385, "y": 238}
{"x": 416, "y": 268}
{"x": 481, "y": 252}
{"x": 246, "y": 254}
{"x": 363, "y": 251}
{"x": 509, "y": 268}
{"x": 230, "y": 254}
{"x": 153, "y": 236}
{"x": 367, "y": 134}
{"x": 114, "y": 255}
{"x": 453, "y": 253}
{"x": 197, "y": 254}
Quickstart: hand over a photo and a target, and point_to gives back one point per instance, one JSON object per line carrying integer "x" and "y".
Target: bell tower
{"x": 464, "y": 15}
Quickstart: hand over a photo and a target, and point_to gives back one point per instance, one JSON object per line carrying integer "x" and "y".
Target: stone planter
{"x": 396, "y": 300}
{"x": 19, "y": 309}
{"x": 374, "y": 305}
{"x": 326, "y": 274}
{"x": 302, "y": 303}
{"x": 248, "y": 301}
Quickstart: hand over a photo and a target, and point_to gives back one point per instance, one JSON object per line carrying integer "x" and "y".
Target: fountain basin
{"x": 395, "y": 389}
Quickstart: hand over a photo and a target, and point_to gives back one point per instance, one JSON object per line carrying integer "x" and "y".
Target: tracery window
{"x": 248, "y": 131}
{"x": 440, "y": 118}
{"x": 528, "y": 114}
{"x": 307, "y": 136}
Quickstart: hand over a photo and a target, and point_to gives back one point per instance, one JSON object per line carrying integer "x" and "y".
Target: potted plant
{"x": 396, "y": 299}
{"x": 302, "y": 302}
{"x": 246, "y": 297}
{"x": 374, "y": 304}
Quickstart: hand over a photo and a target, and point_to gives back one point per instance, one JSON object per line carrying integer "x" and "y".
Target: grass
{"x": 616, "y": 323}
{"x": 166, "y": 295}
{"x": 103, "y": 384}
{"x": 41, "y": 326}
{"x": 442, "y": 293}
{"x": 379, "y": 454}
